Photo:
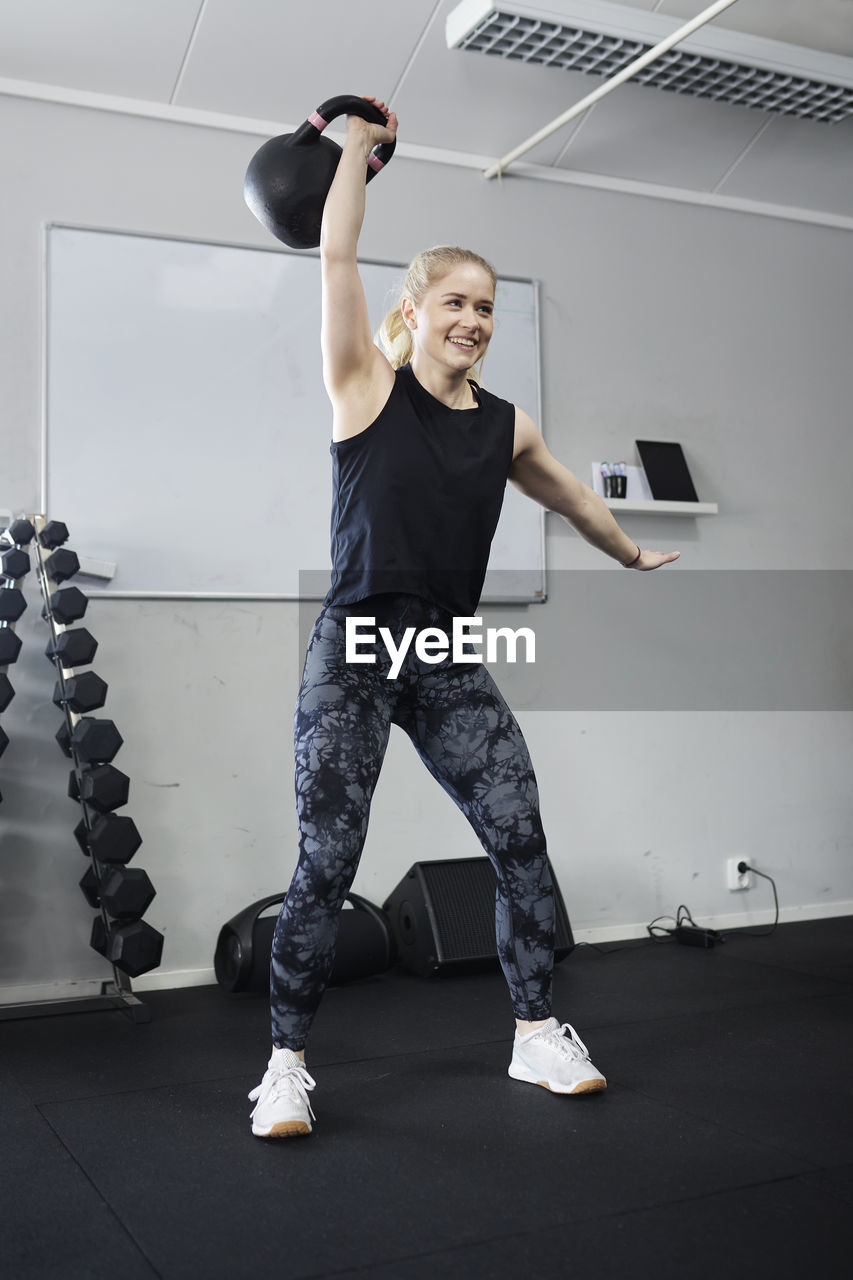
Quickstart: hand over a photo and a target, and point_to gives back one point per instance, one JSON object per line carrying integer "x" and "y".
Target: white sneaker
{"x": 557, "y": 1058}
{"x": 283, "y": 1108}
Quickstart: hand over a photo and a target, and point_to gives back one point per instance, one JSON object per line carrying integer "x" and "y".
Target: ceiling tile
{"x": 800, "y": 163}
{"x": 469, "y": 102}
{"x": 651, "y": 136}
{"x": 133, "y": 49}
{"x": 270, "y": 60}
{"x": 815, "y": 24}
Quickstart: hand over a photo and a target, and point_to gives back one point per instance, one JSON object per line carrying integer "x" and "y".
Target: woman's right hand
{"x": 373, "y": 134}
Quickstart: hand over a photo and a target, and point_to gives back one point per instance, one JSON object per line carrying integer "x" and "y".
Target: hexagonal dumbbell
{"x": 95, "y": 741}
{"x": 103, "y": 787}
{"x": 53, "y": 534}
{"x": 7, "y": 693}
{"x": 111, "y": 838}
{"x": 67, "y": 604}
{"x": 21, "y": 532}
{"x": 4, "y": 740}
{"x": 126, "y": 892}
{"x": 85, "y": 692}
{"x": 12, "y": 604}
{"x": 10, "y": 646}
{"x": 134, "y": 948}
{"x": 14, "y": 564}
{"x": 75, "y": 648}
{"x": 61, "y": 564}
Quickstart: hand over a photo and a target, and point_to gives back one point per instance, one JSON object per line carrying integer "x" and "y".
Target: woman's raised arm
{"x": 350, "y": 357}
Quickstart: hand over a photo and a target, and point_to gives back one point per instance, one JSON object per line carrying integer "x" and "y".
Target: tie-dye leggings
{"x": 469, "y": 740}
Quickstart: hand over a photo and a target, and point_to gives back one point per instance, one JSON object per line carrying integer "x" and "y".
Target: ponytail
{"x": 395, "y": 338}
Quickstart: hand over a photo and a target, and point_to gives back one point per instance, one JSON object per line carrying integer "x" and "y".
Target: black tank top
{"x": 417, "y": 497}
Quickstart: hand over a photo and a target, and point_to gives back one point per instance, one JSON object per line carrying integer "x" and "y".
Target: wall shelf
{"x": 662, "y": 508}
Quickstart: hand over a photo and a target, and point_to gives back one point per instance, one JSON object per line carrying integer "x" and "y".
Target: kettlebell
{"x": 289, "y": 177}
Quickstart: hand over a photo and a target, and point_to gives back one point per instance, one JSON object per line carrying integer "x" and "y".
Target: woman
{"x": 421, "y": 455}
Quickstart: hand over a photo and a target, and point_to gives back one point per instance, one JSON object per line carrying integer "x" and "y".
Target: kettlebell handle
{"x": 351, "y": 105}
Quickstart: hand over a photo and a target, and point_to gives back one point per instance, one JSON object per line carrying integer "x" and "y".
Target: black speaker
{"x": 442, "y": 915}
{"x": 241, "y": 962}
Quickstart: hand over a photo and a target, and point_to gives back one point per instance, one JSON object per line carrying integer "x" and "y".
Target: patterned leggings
{"x": 469, "y": 740}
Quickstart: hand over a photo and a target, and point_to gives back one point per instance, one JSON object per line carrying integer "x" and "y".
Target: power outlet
{"x": 734, "y": 878}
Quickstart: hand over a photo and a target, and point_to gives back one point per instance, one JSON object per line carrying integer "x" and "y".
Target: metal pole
{"x": 609, "y": 85}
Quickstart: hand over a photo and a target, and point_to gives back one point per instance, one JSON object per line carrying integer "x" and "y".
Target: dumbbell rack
{"x": 119, "y": 896}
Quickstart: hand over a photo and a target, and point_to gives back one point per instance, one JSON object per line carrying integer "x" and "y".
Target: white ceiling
{"x": 817, "y": 24}
{"x": 278, "y": 59}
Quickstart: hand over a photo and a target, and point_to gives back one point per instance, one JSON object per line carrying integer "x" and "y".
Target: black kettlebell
{"x": 289, "y": 177}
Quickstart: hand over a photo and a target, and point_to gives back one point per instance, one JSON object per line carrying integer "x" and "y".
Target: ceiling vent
{"x": 602, "y": 38}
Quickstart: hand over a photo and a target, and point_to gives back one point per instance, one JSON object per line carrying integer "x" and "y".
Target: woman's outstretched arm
{"x": 537, "y": 473}
{"x": 349, "y": 354}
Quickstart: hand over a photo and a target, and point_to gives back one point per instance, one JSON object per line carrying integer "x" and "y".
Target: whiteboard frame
{"x": 541, "y": 595}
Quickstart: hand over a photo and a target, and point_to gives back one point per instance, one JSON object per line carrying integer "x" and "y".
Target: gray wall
{"x": 674, "y": 720}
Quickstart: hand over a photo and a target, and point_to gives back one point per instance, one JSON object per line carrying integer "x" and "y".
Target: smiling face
{"x": 452, "y": 323}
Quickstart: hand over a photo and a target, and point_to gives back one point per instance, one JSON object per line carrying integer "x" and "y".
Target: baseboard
{"x": 46, "y": 991}
{"x": 160, "y": 980}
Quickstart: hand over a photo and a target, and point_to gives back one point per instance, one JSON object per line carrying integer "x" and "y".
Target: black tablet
{"x": 666, "y": 471}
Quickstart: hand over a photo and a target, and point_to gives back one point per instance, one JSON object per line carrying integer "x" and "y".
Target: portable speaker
{"x": 241, "y": 962}
{"x": 442, "y": 915}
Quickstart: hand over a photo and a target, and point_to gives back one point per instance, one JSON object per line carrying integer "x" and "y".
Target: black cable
{"x": 759, "y": 933}
{"x": 657, "y": 931}
{"x": 631, "y": 944}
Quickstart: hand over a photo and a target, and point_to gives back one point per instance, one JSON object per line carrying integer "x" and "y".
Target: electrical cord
{"x": 744, "y": 867}
{"x": 683, "y": 922}
{"x": 630, "y": 945}
{"x": 658, "y": 931}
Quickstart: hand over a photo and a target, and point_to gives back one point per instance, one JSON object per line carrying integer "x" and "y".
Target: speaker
{"x": 241, "y": 962}
{"x": 442, "y": 915}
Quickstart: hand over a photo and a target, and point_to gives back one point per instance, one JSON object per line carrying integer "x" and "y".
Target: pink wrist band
{"x": 631, "y": 563}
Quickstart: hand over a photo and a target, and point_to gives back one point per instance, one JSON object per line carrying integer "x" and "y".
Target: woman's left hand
{"x": 654, "y": 559}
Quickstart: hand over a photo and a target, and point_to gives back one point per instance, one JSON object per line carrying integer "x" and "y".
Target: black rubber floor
{"x": 723, "y": 1145}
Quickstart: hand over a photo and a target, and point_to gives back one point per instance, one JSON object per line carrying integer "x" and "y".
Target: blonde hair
{"x": 430, "y": 266}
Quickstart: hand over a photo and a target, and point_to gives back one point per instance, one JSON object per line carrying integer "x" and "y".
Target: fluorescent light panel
{"x": 600, "y": 38}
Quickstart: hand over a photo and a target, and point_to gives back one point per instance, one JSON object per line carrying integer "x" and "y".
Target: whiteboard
{"x": 187, "y": 427}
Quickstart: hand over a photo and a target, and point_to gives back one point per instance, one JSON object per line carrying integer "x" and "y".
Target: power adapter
{"x": 692, "y": 936}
